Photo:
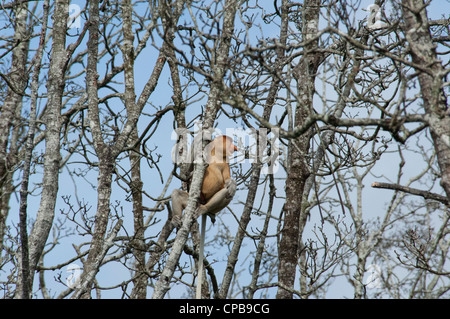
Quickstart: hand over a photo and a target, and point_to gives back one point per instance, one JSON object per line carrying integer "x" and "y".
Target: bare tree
{"x": 340, "y": 115}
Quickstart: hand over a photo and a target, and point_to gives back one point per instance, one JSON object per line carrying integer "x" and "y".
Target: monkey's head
{"x": 221, "y": 148}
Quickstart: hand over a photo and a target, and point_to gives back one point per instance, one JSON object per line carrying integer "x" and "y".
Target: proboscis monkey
{"x": 218, "y": 187}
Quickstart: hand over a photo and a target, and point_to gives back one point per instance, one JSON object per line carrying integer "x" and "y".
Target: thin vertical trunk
{"x": 104, "y": 154}
{"x": 326, "y": 139}
{"x": 10, "y": 109}
{"x": 55, "y": 88}
{"x": 170, "y": 19}
{"x": 298, "y": 171}
{"x": 140, "y": 278}
{"x": 10, "y": 119}
{"x": 26, "y": 284}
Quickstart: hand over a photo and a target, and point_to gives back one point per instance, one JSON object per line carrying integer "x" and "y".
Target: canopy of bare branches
{"x": 339, "y": 110}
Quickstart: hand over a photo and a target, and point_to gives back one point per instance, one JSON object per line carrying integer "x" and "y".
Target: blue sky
{"x": 162, "y": 142}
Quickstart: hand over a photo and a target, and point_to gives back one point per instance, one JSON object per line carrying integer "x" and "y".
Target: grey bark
{"x": 52, "y": 118}
{"x": 423, "y": 54}
{"x": 140, "y": 278}
{"x": 105, "y": 158}
{"x": 25, "y": 266}
{"x": 9, "y": 121}
{"x": 298, "y": 171}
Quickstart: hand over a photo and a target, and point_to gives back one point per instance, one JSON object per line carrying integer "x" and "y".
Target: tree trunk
{"x": 10, "y": 109}
{"x": 52, "y": 157}
{"x": 423, "y": 53}
{"x": 104, "y": 154}
{"x": 140, "y": 277}
{"x": 25, "y": 267}
{"x": 298, "y": 171}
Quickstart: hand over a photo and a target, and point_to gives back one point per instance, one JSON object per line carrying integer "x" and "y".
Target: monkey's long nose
{"x": 235, "y": 148}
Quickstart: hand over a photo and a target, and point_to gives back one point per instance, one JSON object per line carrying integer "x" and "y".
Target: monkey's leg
{"x": 219, "y": 201}
{"x": 179, "y": 203}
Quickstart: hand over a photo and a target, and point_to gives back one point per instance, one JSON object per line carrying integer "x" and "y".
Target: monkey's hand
{"x": 230, "y": 185}
{"x": 176, "y": 221}
{"x": 219, "y": 201}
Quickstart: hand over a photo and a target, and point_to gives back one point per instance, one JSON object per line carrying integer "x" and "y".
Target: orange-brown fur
{"x": 218, "y": 187}
{"x": 218, "y": 170}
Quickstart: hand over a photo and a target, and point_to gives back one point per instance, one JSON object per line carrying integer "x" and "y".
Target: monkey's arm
{"x": 179, "y": 202}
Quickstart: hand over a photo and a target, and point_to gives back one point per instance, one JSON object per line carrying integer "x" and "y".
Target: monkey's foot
{"x": 201, "y": 209}
{"x": 176, "y": 221}
{"x": 213, "y": 218}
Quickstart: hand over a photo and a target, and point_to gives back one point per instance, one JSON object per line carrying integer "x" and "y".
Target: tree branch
{"x": 414, "y": 191}
{"x": 88, "y": 277}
